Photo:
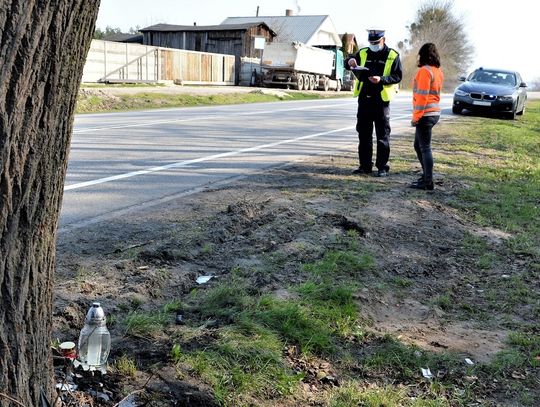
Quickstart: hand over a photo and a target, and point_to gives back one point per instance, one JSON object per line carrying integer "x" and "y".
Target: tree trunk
{"x": 43, "y": 46}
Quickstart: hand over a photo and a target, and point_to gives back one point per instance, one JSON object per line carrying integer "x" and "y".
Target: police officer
{"x": 375, "y": 87}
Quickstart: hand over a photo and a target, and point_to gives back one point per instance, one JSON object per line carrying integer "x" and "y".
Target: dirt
{"x": 294, "y": 213}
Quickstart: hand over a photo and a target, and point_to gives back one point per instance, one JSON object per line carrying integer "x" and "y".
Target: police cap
{"x": 375, "y": 35}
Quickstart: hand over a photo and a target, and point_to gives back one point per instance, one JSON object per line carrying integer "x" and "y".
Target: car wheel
{"x": 522, "y": 110}
{"x": 300, "y": 82}
{"x": 456, "y": 110}
{"x": 511, "y": 115}
{"x": 326, "y": 84}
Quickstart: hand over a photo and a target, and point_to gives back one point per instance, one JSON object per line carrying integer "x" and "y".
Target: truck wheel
{"x": 311, "y": 82}
{"x": 300, "y": 82}
{"x": 338, "y": 86}
{"x": 326, "y": 84}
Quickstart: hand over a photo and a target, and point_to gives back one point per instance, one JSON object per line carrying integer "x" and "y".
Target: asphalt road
{"x": 122, "y": 162}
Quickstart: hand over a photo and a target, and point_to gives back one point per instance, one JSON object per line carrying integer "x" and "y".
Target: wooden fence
{"x": 121, "y": 62}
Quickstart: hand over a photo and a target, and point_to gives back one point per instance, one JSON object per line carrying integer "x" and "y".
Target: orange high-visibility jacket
{"x": 427, "y": 92}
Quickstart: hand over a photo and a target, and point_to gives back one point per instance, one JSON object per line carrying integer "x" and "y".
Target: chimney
{"x": 257, "y": 11}
{"x": 289, "y": 12}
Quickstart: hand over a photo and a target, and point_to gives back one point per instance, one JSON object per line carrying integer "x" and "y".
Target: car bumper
{"x": 466, "y": 102}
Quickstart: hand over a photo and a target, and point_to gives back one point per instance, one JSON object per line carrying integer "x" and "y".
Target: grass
{"x": 353, "y": 394}
{"x": 343, "y": 262}
{"x": 245, "y": 362}
{"x": 146, "y": 100}
{"x": 500, "y": 163}
{"x": 126, "y": 366}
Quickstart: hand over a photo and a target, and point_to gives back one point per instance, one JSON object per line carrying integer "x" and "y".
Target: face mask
{"x": 375, "y": 48}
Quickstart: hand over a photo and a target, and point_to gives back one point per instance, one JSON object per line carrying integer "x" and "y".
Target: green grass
{"x": 390, "y": 356}
{"x": 342, "y": 262}
{"x": 352, "y": 394}
{"x": 147, "y": 100}
{"x": 499, "y": 160}
{"x": 126, "y": 366}
{"x": 224, "y": 301}
{"x": 145, "y": 323}
{"x": 176, "y": 353}
{"x": 243, "y": 363}
{"x": 524, "y": 352}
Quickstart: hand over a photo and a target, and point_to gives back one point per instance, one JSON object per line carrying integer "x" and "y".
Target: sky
{"x": 504, "y": 33}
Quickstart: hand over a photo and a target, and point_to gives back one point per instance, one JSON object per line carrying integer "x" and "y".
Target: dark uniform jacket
{"x": 375, "y": 62}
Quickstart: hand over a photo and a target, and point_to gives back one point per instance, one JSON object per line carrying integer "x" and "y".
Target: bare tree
{"x": 435, "y": 22}
{"x": 43, "y": 46}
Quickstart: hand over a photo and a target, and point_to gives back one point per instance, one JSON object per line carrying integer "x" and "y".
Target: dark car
{"x": 491, "y": 90}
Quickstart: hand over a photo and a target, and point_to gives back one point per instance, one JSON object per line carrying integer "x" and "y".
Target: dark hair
{"x": 429, "y": 55}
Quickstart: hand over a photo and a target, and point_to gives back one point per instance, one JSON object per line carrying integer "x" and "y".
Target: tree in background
{"x": 435, "y": 22}
{"x": 43, "y": 48}
{"x": 347, "y": 48}
{"x": 99, "y": 34}
{"x": 534, "y": 84}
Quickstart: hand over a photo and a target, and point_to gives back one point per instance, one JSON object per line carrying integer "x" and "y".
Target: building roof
{"x": 221, "y": 27}
{"x": 290, "y": 28}
{"x": 121, "y": 37}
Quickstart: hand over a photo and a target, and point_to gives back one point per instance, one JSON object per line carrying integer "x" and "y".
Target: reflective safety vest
{"x": 389, "y": 91}
{"x": 427, "y": 87}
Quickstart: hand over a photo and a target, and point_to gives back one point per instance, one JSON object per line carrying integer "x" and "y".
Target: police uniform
{"x": 374, "y": 100}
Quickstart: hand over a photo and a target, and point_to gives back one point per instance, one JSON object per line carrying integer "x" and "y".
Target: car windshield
{"x": 498, "y": 78}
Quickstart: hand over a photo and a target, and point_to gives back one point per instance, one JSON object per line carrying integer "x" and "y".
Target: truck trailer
{"x": 300, "y": 66}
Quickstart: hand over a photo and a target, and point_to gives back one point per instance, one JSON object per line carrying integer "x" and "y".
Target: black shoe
{"x": 383, "y": 172}
{"x": 361, "y": 171}
{"x": 421, "y": 184}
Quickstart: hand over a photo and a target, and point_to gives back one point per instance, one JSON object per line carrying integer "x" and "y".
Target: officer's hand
{"x": 414, "y": 123}
{"x": 352, "y": 63}
{"x": 374, "y": 79}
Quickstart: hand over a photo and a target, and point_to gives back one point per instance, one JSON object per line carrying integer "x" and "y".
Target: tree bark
{"x": 43, "y": 47}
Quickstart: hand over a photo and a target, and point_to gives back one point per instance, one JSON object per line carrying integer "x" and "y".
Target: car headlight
{"x": 506, "y": 98}
{"x": 460, "y": 93}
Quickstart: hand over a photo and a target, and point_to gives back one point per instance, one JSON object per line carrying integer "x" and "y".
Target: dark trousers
{"x": 373, "y": 111}
{"x": 422, "y": 145}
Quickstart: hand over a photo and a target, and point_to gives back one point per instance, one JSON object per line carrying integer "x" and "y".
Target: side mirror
{"x": 522, "y": 85}
{"x": 462, "y": 78}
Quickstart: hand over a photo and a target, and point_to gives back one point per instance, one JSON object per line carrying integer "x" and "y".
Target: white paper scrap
{"x": 427, "y": 373}
{"x": 203, "y": 279}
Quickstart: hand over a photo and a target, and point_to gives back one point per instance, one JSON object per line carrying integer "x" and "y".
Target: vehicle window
{"x": 498, "y": 78}
{"x": 509, "y": 79}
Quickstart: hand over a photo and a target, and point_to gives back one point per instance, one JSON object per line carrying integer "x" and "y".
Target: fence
{"x": 122, "y": 62}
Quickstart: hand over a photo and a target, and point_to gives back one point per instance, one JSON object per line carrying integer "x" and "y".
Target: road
{"x": 122, "y": 162}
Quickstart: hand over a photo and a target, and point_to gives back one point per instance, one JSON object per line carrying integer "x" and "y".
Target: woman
{"x": 426, "y": 111}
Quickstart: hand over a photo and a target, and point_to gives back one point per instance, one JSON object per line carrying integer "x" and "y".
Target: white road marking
{"x": 184, "y": 164}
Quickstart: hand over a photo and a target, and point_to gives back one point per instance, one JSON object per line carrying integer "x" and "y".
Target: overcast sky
{"x": 504, "y": 33}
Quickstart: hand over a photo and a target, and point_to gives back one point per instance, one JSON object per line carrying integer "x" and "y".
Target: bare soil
{"x": 294, "y": 213}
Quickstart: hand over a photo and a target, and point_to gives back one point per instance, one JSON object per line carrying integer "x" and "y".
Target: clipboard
{"x": 360, "y": 72}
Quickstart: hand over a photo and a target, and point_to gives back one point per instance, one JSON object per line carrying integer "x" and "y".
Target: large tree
{"x": 436, "y": 22}
{"x": 43, "y": 46}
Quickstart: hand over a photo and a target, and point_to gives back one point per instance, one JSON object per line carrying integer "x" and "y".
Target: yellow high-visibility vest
{"x": 389, "y": 91}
